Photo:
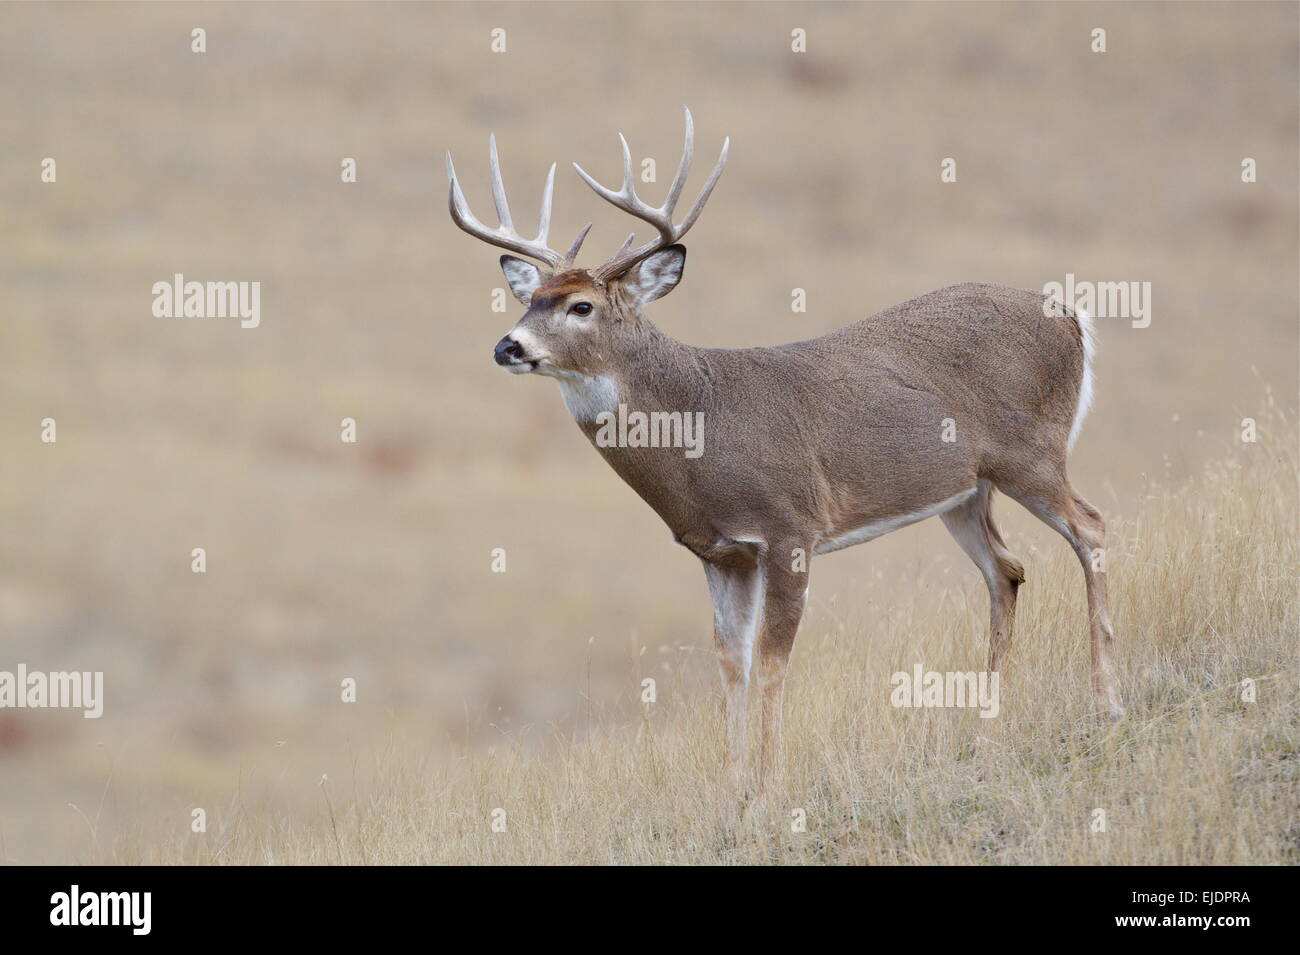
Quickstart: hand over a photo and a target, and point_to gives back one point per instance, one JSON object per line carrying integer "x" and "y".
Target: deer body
{"x": 920, "y": 410}
{"x": 847, "y": 427}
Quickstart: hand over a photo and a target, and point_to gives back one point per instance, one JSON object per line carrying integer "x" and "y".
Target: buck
{"x": 921, "y": 410}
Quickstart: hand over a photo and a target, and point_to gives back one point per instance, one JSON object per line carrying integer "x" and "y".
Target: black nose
{"x": 508, "y": 350}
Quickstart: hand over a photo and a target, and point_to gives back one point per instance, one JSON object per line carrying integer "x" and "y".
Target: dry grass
{"x": 1203, "y": 582}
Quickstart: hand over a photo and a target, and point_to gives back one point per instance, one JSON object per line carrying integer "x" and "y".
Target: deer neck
{"x": 655, "y": 373}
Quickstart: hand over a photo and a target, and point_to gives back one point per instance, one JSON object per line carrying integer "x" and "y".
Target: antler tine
{"x": 572, "y": 254}
{"x": 609, "y": 195}
{"x": 498, "y": 187}
{"x": 629, "y": 185}
{"x": 683, "y": 167}
{"x": 544, "y": 217}
{"x": 708, "y": 188}
{"x": 662, "y": 217}
{"x": 460, "y": 213}
{"x": 505, "y": 236}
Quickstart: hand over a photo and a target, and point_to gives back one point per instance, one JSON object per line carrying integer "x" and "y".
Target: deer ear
{"x": 656, "y": 275}
{"x": 523, "y": 277}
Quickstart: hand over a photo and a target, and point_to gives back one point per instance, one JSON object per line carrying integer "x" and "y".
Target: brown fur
{"x": 857, "y": 414}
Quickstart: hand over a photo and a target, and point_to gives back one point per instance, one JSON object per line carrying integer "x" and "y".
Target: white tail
{"x": 1088, "y": 336}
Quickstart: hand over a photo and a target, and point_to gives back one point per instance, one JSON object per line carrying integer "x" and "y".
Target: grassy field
{"x": 1204, "y": 596}
{"x": 372, "y": 561}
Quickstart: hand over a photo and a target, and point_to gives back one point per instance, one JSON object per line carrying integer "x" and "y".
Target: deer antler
{"x": 661, "y": 218}
{"x": 505, "y": 236}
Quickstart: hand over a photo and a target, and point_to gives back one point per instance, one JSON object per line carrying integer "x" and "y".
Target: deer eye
{"x": 582, "y": 308}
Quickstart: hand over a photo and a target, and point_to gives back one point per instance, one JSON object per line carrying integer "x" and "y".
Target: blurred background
{"x": 372, "y": 560}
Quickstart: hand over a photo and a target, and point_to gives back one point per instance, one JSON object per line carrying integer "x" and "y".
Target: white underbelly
{"x": 860, "y": 535}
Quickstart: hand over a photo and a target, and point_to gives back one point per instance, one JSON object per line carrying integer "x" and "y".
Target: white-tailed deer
{"x": 918, "y": 411}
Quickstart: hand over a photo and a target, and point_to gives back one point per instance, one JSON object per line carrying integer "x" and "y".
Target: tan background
{"x": 329, "y": 560}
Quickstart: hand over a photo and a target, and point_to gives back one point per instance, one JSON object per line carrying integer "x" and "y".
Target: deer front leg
{"x": 737, "y": 602}
{"x": 785, "y": 588}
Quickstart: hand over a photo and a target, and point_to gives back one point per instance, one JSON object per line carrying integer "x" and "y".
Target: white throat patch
{"x": 586, "y": 396}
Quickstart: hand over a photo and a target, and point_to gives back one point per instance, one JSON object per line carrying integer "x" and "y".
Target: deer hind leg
{"x": 737, "y": 597}
{"x": 1062, "y": 508}
{"x": 971, "y": 525}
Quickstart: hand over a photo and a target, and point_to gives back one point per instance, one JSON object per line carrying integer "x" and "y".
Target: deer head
{"x": 579, "y": 321}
